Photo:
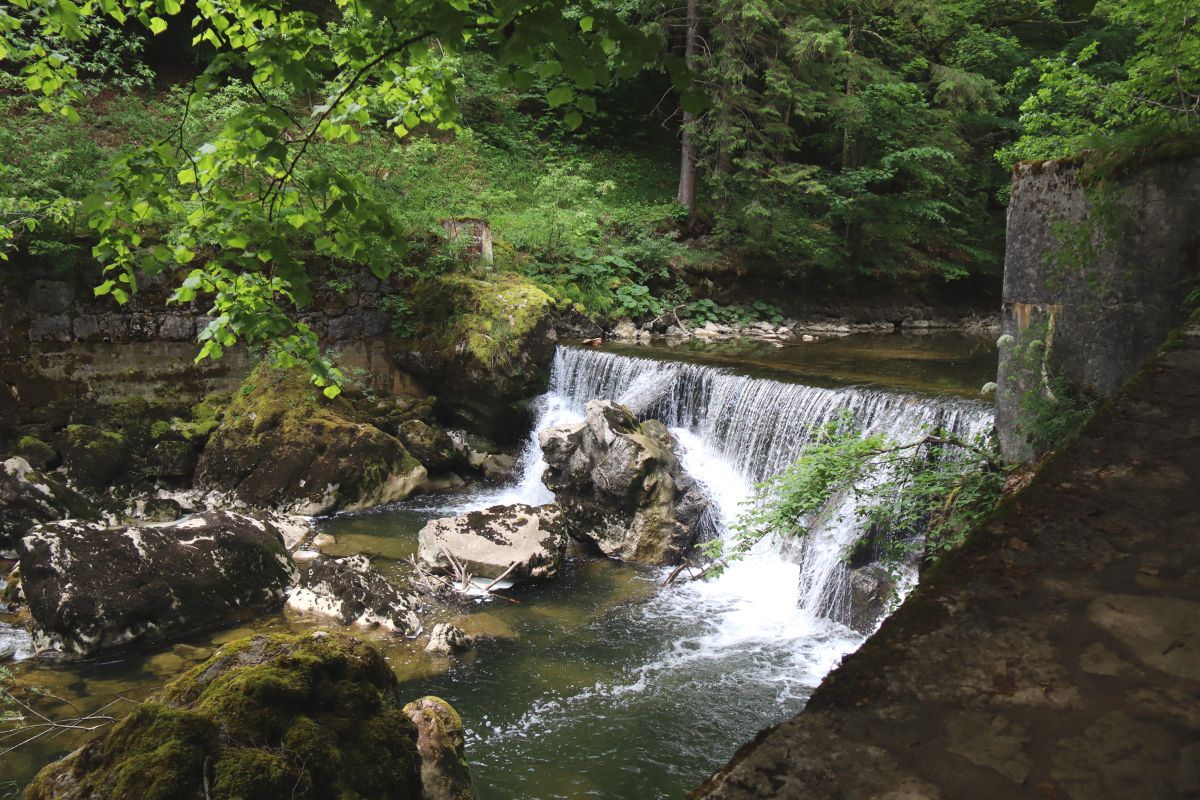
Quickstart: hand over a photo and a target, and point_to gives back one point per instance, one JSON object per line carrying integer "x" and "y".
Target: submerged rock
{"x": 350, "y": 591}
{"x": 91, "y": 589}
{"x": 28, "y": 497}
{"x": 488, "y": 542}
{"x": 620, "y": 485}
{"x": 273, "y": 717}
{"x": 447, "y": 639}
{"x": 282, "y": 445}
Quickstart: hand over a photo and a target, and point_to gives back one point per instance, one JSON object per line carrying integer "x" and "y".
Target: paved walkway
{"x": 1056, "y": 656}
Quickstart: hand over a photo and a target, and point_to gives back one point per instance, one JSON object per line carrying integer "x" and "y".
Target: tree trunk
{"x": 687, "y": 160}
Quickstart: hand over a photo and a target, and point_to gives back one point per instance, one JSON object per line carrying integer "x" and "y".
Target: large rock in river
{"x": 29, "y": 497}
{"x": 484, "y": 347}
{"x": 271, "y": 718}
{"x": 620, "y": 485}
{"x": 282, "y": 444}
{"x": 91, "y": 588}
{"x": 350, "y": 591}
{"x": 487, "y": 543}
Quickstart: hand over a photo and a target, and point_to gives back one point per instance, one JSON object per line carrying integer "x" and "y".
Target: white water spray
{"x": 734, "y": 431}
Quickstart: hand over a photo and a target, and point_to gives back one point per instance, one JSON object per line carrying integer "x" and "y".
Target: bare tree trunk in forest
{"x": 687, "y": 161}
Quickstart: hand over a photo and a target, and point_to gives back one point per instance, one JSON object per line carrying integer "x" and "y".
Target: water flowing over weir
{"x": 757, "y": 639}
{"x": 736, "y": 431}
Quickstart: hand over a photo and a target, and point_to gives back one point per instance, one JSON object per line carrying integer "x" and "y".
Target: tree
{"x": 245, "y": 211}
{"x": 1129, "y": 80}
{"x": 687, "y": 150}
{"x": 855, "y": 137}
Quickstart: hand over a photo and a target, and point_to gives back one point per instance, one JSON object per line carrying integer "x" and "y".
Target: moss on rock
{"x": 484, "y": 347}
{"x": 440, "y": 742}
{"x": 39, "y": 454}
{"x": 282, "y": 444}
{"x": 270, "y": 716}
{"x": 93, "y": 457}
{"x": 498, "y": 313}
{"x": 431, "y": 445}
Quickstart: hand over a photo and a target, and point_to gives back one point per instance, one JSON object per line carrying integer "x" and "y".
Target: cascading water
{"x": 602, "y": 683}
{"x": 769, "y": 620}
{"x": 736, "y": 431}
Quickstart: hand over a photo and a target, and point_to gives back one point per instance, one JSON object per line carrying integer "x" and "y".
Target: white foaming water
{"x": 771, "y": 618}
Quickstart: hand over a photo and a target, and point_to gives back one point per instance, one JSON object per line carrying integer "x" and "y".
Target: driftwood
{"x": 503, "y": 575}
{"x": 434, "y": 584}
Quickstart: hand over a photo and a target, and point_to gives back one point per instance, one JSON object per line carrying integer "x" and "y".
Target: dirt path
{"x": 1056, "y": 656}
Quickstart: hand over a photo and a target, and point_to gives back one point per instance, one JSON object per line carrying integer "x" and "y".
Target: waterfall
{"x": 735, "y": 431}
{"x": 752, "y": 643}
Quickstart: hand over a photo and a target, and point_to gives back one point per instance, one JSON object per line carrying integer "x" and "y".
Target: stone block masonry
{"x": 1095, "y": 274}
{"x": 64, "y": 351}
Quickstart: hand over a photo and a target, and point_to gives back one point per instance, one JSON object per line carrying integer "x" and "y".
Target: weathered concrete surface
{"x": 1056, "y": 656}
{"x": 1101, "y": 309}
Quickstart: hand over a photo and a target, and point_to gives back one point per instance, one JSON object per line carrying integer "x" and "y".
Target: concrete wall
{"x": 1100, "y": 317}
{"x": 65, "y": 354}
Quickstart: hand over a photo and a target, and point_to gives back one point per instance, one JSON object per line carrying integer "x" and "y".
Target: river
{"x": 604, "y": 684}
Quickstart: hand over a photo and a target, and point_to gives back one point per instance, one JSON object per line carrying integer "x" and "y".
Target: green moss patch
{"x": 493, "y": 315}
{"x": 271, "y": 716}
{"x": 282, "y": 443}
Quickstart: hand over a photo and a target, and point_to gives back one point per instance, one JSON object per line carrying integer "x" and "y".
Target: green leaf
{"x": 560, "y": 95}
{"x": 157, "y": 25}
{"x": 586, "y": 24}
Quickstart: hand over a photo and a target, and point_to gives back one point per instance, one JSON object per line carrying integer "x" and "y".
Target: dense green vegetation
{"x": 839, "y": 144}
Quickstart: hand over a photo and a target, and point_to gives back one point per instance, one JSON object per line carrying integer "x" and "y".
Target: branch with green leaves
{"x": 244, "y": 211}
{"x": 922, "y": 494}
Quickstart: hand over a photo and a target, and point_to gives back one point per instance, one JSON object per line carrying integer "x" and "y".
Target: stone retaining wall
{"x": 1099, "y": 311}
{"x": 66, "y": 354}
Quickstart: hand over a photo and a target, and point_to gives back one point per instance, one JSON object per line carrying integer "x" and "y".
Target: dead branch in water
{"x": 503, "y": 575}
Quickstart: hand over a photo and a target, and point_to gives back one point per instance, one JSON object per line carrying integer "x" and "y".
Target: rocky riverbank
{"x": 807, "y": 329}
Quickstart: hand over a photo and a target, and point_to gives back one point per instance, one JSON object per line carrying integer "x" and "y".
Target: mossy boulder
{"x": 91, "y": 589}
{"x": 171, "y": 459}
{"x": 159, "y": 509}
{"x": 206, "y": 417}
{"x": 620, "y": 486}
{"x": 273, "y": 717}
{"x": 39, "y": 454}
{"x": 29, "y": 497}
{"x": 431, "y": 445}
{"x": 93, "y": 457}
{"x": 282, "y": 444}
{"x": 485, "y": 349}
{"x": 440, "y": 743}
